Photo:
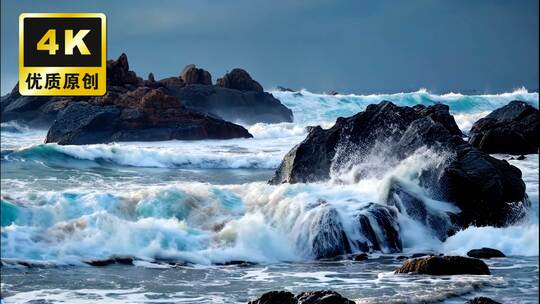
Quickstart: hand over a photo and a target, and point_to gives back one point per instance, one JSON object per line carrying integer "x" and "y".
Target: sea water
{"x": 205, "y": 203}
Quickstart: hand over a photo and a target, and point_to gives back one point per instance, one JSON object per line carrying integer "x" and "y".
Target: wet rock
{"x": 360, "y": 257}
{"x": 482, "y": 300}
{"x": 485, "y": 253}
{"x": 487, "y": 190}
{"x": 378, "y": 224}
{"x": 512, "y": 129}
{"x": 401, "y": 257}
{"x": 446, "y": 265}
{"x": 321, "y": 297}
{"x": 329, "y": 240}
{"x": 239, "y": 79}
{"x": 122, "y": 260}
{"x": 193, "y": 75}
{"x": 275, "y": 297}
{"x": 284, "y": 89}
{"x": 521, "y": 157}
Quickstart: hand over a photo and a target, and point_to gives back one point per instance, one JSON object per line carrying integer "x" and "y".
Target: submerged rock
{"x": 310, "y": 297}
{"x": 445, "y": 265}
{"x": 487, "y": 190}
{"x": 482, "y": 300}
{"x": 511, "y": 129}
{"x": 123, "y": 260}
{"x": 485, "y": 253}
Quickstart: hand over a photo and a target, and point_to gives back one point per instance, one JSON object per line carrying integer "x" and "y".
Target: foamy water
{"x": 207, "y": 202}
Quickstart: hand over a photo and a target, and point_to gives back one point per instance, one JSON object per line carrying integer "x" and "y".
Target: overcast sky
{"x": 347, "y": 46}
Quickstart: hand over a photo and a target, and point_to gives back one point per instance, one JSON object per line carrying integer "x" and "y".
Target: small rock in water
{"x": 521, "y": 157}
{"x": 309, "y": 297}
{"x": 482, "y": 300}
{"x": 401, "y": 257}
{"x": 485, "y": 253}
{"x": 361, "y": 257}
{"x": 123, "y": 260}
{"x": 275, "y": 297}
{"x": 446, "y": 265}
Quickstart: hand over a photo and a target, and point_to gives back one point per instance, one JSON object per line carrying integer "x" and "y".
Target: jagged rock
{"x": 200, "y": 96}
{"x": 326, "y": 236}
{"x": 118, "y": 73}
{"x": 275, "y": 297}
{"x": 239, "y": 79}
{"x": 193, "y": 75}
{"x": 284, "y": 89}
{"x": 487, "y": 190}
{"x": 512, "y": 129}
{"x": 445, "y": 265}
{"x": 482, "y": 300}
{"x": 485, "y": 253}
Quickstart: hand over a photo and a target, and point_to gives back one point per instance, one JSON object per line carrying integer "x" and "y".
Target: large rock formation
{"x": 193, "y": 87}
{"x": 446, "y": 265}
{"x": 308, "y": 297}
{"x": 144, "y": 114}
{"x": 487, "y": 190}
{"x": 512, "y": 129}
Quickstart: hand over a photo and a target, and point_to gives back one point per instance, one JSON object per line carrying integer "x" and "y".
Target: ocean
{"x": 204, "y": 226}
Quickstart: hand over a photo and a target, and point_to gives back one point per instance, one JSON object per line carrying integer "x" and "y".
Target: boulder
{"x": 322, "y": 297}
{"x": 378, "y": 226}
{"x": 445, "y": 265}
{"x": 239, "y": 79}
{"x": 118, "y": 73}
{"x": 309, "y": 297}
{"x": 487, "y": 190}
{"x": 193, "y": 75}
{"x": 512, "y": 129}
{"x": 485, "y": 253}
{"x": 482, "y": 300}
{"x": 275, "y": 297}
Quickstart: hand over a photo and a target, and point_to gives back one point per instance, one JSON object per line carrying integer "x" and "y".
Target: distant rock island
{"x": 187, "y": 107}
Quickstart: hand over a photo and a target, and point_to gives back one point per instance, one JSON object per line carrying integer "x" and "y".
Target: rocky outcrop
{"x": 141, "y": 115}
{"x": 193, "y": 75}
{"x": 482, "y": 300}
{"x": 445, "y": 265}
{"x": 487, "y": 190}
{"x": 485, "y": 253}
{"x": 239, "y": 79}
{"x": 310, "y": 297}
{"x": 512, "y": 129}
{"x": 248, "y": 107}
{"x": 193, "y": 87}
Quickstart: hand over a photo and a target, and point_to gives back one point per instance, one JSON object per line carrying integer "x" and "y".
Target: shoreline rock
{"x": 482, "y": 300}
{"x": 308, "y": 297}
{"x": 488, "y": 191}
{"x": 511, "y": 129}
{"x": 445, "y": 265}
{"x": 485, "y": 253}
{"x": 240, "y": 98}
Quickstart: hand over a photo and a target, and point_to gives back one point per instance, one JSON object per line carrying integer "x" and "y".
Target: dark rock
{"x": 512, "y": 129}
{"x": 333, "y": 93}
{"x": 421, "y": 254}
{"x": 401, "y": 257}
{"x": 198, "y": 96}
{"x": 385, "y": 235}
{"x": 248, "y": 107}
{"x": 284, "y": 89}
{"x": 487, "y": 190}
{"x": 321, "y": 297}
{"x": 237, "y": 263}
{"x": 485, "y": 253}
{"x": 239, "y": 79}
{"x": 521, "y": 157}
{"x": 123, "y": 260}
{"x": 193, "y": 75}
{"x": 275, "y": 297}
{"x": 151, "y": 77}
{"x": 330, "y": 239}
{"x": 360, "y": 257}
{"x": 446, "y": 265}
{"x": 141, "y": 115}
{"x": 482, "y": 300}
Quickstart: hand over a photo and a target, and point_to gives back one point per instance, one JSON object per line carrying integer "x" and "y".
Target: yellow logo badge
{"x": 62, "y": 54}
